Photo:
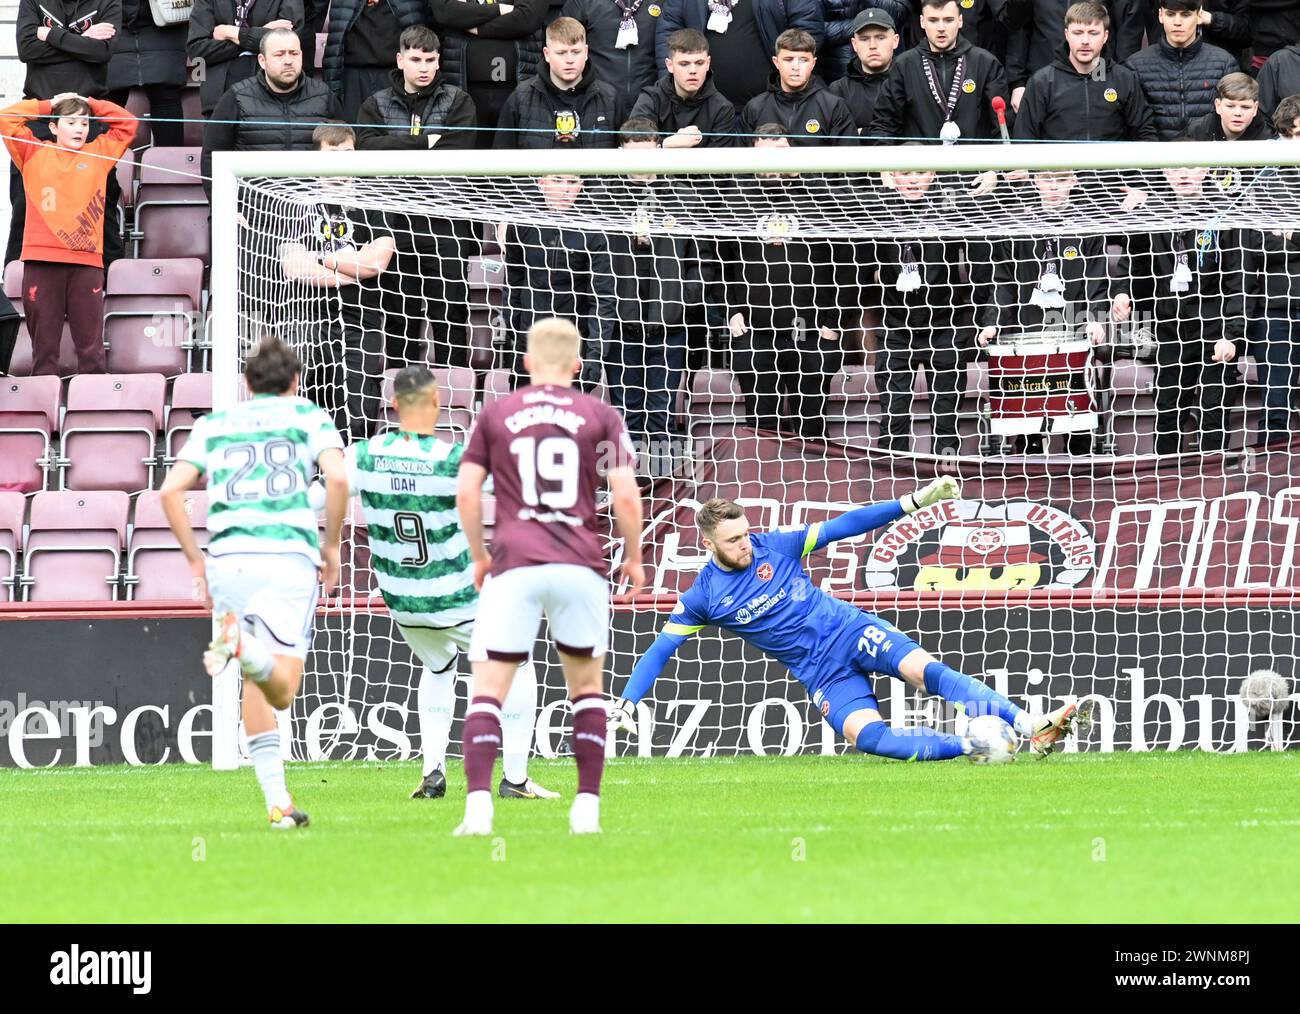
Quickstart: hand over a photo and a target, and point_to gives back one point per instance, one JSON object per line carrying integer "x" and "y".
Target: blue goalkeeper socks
{"x": 908, "y": 744}
{"x": 978, "y": 698}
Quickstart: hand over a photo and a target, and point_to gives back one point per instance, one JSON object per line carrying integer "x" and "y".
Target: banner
{"x": 1115, "y": 524}
{"x": 1163, "y": 679}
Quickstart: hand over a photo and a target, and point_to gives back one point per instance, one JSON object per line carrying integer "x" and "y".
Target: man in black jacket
{"x": 930, "y": 307}
{"x": 557, "y": 271}
{"x": 742, "y": 36}
{"x": 276, "y": 110}
{"x": 418, "y": 112}
{"x": 874, "y": 41}
{"x": 942, "y": 88}
{"x": 1226, "y": 24}
{"x": 1034, "y": 38}
{"x": 363, "y": 36}
{"x": 784, "y": 317}
{"x": 798, "y": 100}
{"x": 488, "y": 50}
{"x": 66, "y": 46}
{"x": 1191, "y": 281}
{"x": 1180, "y": 72}
{"x": 685, "y": 104}
{"x": 1236, "y": 115}
{"x": 657, "y": 276}
{"x": 621, "y": 37}
{"x": 1082, "y": 96}
{"x": 1279, "y": 78}
{"x": 224, "y": 38}
{"x": 564, "y": 106}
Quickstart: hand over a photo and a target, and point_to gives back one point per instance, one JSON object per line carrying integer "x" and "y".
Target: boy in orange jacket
{"x": 63, "y": 235}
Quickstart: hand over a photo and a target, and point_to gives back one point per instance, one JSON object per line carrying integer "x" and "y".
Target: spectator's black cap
{"x": 873, "y": 17}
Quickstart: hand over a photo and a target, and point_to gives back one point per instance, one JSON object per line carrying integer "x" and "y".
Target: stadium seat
{"x": 150, "y": 314}
{"x": 173, "y": 230}
{"x": 14, "y": 284}
{"x": 496, "y": 384}
{"x": 12, "y": 506}
{"x": 155, "y": 566}
{"x": 191, "y": 398}
{"x": 127, "y": 173}
{"x": 852, "y": 392}
{"x": 29, "y": 413}
{"x": 137, "y": 103}
{"x": 171, "y": 175}
{"x": 74, "y": 546}
{"x": 110, "y": 430}
{"x": 485, "y": 274}
{"x": 482, "y": 348}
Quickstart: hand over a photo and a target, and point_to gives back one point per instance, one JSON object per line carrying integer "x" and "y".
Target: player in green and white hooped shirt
{"x": 407, "y": 483}
{"x": 264, "y": 554}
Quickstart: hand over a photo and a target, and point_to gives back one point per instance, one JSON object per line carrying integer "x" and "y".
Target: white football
{"x": 992, "y": 740}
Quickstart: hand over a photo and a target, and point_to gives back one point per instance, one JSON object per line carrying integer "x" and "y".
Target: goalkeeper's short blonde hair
{"x": 553, "y": 343}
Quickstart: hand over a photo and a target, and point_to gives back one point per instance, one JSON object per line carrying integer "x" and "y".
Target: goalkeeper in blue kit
{"x": 755, "y": 586}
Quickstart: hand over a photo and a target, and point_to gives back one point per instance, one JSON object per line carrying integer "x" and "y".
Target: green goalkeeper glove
{"x": 946, "y": 487}
{"x": 622, "y": 716}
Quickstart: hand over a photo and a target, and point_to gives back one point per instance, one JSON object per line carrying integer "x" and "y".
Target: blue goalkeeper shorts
{"x": 873, "y": 647}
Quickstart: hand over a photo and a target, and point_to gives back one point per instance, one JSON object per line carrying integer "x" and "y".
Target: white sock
{"x": 478, "y": 807}
{"x": 518, "y": 717}
{"x": 264, "y": 749}
{"x": 585, "y": 808}
{"x": 1025, "y": 723}
{"x": 255, "y": 658}
{"x": 435, "y": 699}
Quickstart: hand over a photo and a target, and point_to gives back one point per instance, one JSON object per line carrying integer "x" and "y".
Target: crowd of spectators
{"x": 457, "y": 74}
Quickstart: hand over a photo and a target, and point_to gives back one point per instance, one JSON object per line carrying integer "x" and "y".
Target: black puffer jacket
{"x": 836, "y": 53}
{"x": 438, "y": 109}
{"x": 251, "y": 117}
{"x": 1278, "y": 78}
{"x": 630, "y": 69}
{"x": 539, "y": 115}
{"x": 859, "y": 90}
{"x": 707, "y": 109}
{"x": 223, "y": 65}
{"x": 1180, "y": 83}
{"x": 344, "y": 14}
{"x": 454, "y": 19}
{"x": 143, "y": 53}
{"x": 65, "y": 61}
{"x": 1060, "y": 104}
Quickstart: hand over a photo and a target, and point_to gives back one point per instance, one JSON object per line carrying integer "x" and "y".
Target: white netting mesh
{"x": 808, "y": 343}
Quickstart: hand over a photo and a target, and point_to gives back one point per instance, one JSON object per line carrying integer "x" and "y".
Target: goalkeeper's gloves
{"x": 622, "y": 715}
{"x": 946, "y": 487}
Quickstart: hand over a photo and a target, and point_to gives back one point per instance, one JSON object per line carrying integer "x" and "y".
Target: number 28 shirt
{"x": 548, "y": 449}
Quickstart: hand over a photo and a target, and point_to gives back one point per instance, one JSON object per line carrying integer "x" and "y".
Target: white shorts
{"x": 437, "y": 648}
{"x": 273, "y": 594}
{"x": 574, "y": 599}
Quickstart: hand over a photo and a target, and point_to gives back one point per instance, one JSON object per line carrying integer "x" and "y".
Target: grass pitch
{"x": 1128, "y": 837}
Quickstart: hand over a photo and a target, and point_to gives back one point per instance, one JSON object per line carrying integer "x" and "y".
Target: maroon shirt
{"x": 548, "y": 450}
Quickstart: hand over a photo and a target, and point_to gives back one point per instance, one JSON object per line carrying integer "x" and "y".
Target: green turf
{"x": 1145, "y": 837}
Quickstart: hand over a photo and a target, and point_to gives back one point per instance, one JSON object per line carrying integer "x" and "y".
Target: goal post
{"x": 977, "y": 328}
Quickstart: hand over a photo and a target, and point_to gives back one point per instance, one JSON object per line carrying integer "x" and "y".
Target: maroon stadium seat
{"x": 485, "y": 274}
{"x": 191, "y": 398}
{"x": 482, "y": 350}
{"x": 12, "y": 506}
{"x": 137, "y": 102}
{"x": 851, "y": 395}
{"x": 151, "y": 314}
{"x": 171, "y": 175}
{"x": 173, "y": 230}
{"x": 74, "y": 546}
{"x": 496, "y": 384}
{"x": 110, "y": 430}
{"x": 29, "y": 413}
{"x": 127, "y": 176}
{"x": 155, "y": 566}
{"x": 14, "y": 284}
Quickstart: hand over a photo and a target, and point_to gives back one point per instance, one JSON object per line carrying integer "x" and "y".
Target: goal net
{"x": 1100, "y": 340}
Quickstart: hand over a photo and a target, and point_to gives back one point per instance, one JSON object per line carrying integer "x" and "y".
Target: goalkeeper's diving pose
{"x": 755, "y": 586}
